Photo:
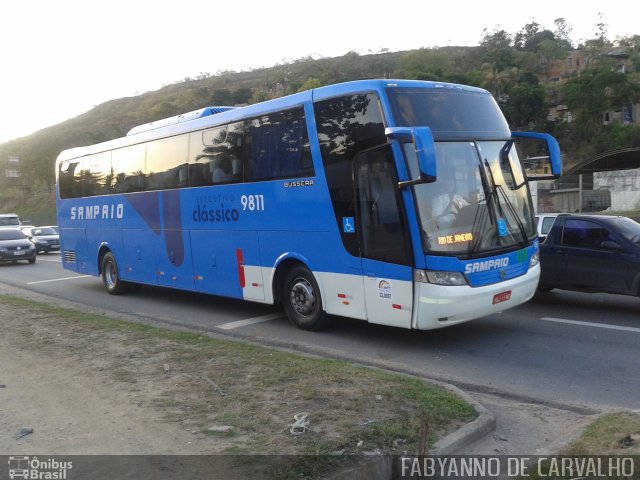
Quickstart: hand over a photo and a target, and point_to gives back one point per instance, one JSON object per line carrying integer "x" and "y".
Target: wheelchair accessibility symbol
{"x": 348, "y": 225}
{"x": 503, "y": 231}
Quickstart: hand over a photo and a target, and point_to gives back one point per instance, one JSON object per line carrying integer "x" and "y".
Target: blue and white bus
{"x": 331, "y": 202}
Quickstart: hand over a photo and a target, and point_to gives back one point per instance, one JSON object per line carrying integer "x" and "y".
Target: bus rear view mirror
{"x": 425, "y": 149}
{"x": 540, "y": 154}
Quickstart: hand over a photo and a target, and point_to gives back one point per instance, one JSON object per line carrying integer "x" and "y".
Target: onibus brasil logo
{"x": 33, "y": 468}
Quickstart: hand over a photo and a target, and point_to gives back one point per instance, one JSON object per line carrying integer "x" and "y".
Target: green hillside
{"x": 515, "y": 68}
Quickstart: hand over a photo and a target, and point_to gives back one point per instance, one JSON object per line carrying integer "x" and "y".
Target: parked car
{"x": 46, "y": 239}
{"x": 14, "y": 245}
{"x": 55, "y": 227}
{"x": 592, "y": 253}
{"x": 544, "y": 222}
{"x": 9, "y": 220}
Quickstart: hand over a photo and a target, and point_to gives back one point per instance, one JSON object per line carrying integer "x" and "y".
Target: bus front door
{"x": 385, "y": 248}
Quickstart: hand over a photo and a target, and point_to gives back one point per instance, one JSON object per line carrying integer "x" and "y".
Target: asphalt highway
{"x": 565, "y": 347}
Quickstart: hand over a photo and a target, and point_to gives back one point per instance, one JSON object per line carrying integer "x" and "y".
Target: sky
{"x": 62, "y": 58}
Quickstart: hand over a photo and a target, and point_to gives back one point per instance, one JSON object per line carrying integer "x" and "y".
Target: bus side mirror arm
{"x": 555, "y": 158}
{"x": 410, "y": 183}
{"x": 425, "y": 149}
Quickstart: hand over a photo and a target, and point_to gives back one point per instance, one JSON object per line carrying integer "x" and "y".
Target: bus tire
{"x": 302, "y": 301}
{"x": 111, "y": 276}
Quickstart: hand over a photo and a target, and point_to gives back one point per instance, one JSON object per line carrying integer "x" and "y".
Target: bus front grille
{"x": 69, "y": 256}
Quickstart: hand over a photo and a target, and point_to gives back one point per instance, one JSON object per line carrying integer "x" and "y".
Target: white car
{"x": 544, "y": 222}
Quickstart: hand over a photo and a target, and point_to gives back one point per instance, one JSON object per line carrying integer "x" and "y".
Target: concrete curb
{"x": 382, "y": 468}
{"x": 469, "y": 433}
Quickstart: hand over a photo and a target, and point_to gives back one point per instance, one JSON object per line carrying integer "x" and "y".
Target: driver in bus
{"x": 446, "y": 205}
{"x": 222, "y": 171}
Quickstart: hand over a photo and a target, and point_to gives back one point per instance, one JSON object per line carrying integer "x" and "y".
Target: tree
{"x": 601, "y": 28}
{"x": 526, "y": 34}
{"x": 499, "y": 39}
{"x": 310, "y": 83}
{"x": 597, "y": 90}
{"x": 499, "y": 82}
{"x": 563, "y": 30}
{"x": 424, "y": 64}
{"x": 526, "y": 105}
{"x": 631, "y": 46}
{"x": 550, "y": 50}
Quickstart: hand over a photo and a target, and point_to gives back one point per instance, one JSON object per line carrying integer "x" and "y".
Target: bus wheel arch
{"x": 300, "y": 295}
{"x": 103, "y": 251}
{"x": 281, "y": 268}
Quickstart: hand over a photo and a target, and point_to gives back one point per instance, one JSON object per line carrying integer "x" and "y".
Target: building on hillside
{"x": 12, "y": 167}
{"x": 575, "y": 62}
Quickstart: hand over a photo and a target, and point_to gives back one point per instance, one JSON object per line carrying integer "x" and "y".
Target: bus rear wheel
{"x": 302, "y": 301}
{"x": 111, "y": 276}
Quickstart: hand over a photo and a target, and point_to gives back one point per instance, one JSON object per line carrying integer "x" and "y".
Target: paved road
{"x": 561, "y": 346}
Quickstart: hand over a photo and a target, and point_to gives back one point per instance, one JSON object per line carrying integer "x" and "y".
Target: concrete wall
{"x": 624, "y": 186}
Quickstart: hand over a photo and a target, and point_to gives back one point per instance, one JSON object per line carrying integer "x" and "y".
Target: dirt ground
{"x": 528, "y": 429}
{"x": 75, "y": 404}
{"x": 74, "y": 408}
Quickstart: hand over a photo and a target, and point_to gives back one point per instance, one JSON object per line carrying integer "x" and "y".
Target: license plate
{"x": 501, "y": 297}
{"x": 19, "y": 253}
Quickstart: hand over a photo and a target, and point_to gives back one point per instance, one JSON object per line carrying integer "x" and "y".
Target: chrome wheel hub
{"x": 302, "y": 297}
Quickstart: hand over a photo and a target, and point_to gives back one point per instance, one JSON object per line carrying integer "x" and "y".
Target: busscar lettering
{"x": 298, "y": 183}
{"x": 98, "y": 212}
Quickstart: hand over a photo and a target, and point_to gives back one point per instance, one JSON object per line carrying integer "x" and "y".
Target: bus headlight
{"x": 439, "y": 277}
{"x": 535, "y": 260}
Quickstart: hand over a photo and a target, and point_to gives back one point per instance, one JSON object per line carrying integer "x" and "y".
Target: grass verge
{"x": 610, "y": 434}
{"x": 241, "y": 395}
{"x": 608, "y": 448}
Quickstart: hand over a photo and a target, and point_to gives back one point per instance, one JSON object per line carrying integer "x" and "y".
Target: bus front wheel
{"x": 111, "y": 277}
{"x": 302, "y": 301}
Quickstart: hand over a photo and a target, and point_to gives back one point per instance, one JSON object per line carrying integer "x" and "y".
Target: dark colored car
{"x": 14, "y": 245}
{"x": 592, "y": 253}
{"x": 46, "y": 239}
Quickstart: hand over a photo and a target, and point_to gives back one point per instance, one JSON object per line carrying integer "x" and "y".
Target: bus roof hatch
{"x": 183, "y": 117}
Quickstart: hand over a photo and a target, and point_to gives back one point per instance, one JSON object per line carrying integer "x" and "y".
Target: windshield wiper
{"x": 514, "y": 213}
{"x": 495, "y": 188}
{"x": 477, "y": 228}
{"x": 479, "y": 218}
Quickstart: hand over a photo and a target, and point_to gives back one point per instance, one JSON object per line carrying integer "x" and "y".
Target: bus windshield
{"x": 450, "y": 113}
{"x": 480, "y": 202}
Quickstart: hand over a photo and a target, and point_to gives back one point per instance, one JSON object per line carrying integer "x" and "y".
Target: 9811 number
{"x": 252, "y": 202}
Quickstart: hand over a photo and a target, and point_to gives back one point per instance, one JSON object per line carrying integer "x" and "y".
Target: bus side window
{"x": 278, "y": 146}
{"x": 346, "y": 125}
{"x": 69, "y": 180}
{"x": 128, "y": 168}
{"x": 165, "y": 159}
{"x": 215, "y": 155}
{"x": 381, "y": 220}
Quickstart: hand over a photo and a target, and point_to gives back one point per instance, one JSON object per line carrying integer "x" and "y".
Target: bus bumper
{"x": 442, "y": 306}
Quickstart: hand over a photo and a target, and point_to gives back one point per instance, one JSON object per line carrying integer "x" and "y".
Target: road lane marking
{"x": 249, "y": 321}
{"x": 60, "y": 279}
{"x": 589, "y": 324}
